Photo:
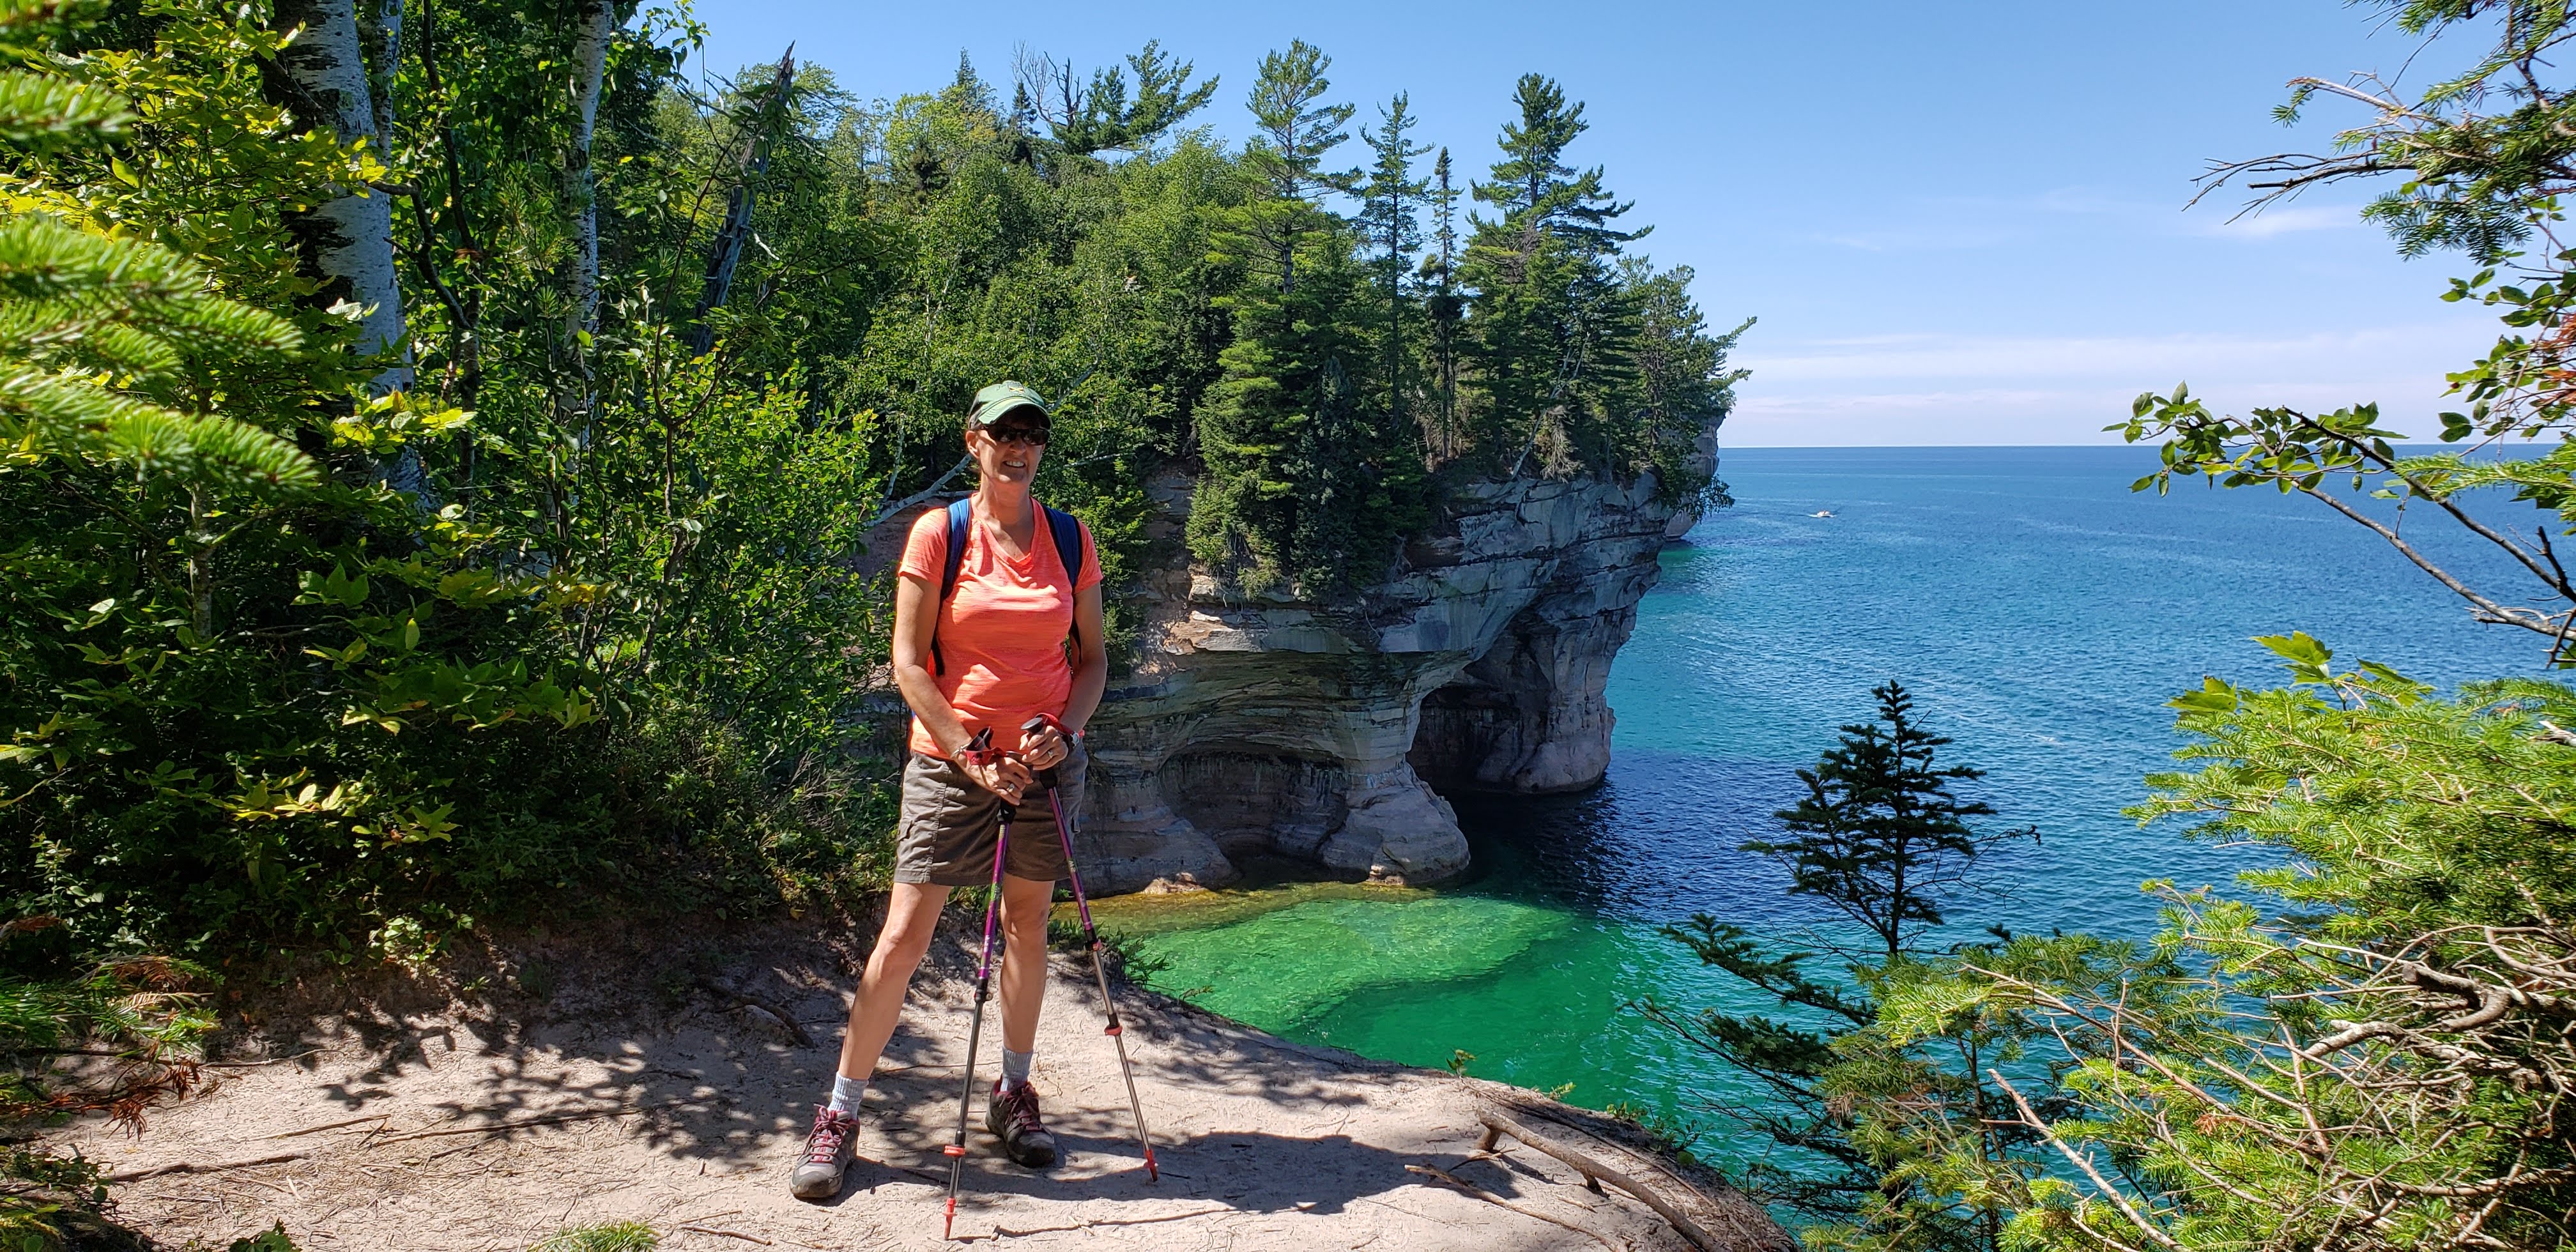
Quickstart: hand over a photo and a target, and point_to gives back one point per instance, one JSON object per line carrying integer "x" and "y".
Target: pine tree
{"x": 1879, "y": 835}
{"x": 1098, "y": 116}
{"x": 1533, "y": 185}
{"x": 1306, "y": 480}
{"x": 1552, "y": 321}
{"x": 1880, "y": 838}
{"x": 1295, "y": 132}
{"x": 1390, "y": 215}
{"x": 1444, "y": 306}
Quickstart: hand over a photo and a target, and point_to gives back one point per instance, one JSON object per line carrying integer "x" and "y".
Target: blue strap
{"x": 960, "y": 514}
{"x": 1066, "y": 530}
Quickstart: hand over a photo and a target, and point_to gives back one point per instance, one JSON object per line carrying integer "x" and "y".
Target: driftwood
{"x": 1490, "y": 1198}
{"x": 1594, "y": 1174}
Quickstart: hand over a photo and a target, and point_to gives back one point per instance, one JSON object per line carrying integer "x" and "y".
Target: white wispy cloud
{"x": 2275, "y": 222}
{"x": 1950, "y": 388}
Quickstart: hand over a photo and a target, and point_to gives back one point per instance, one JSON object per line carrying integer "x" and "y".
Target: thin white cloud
{"x": 1948, "y": 388}
{"x": 2275, "y": 222}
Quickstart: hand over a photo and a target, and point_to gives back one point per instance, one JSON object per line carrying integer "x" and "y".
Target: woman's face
{"x": 1008, "y": 451}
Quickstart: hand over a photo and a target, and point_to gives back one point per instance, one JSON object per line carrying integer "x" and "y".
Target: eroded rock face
{"x": 1305, "y": 730}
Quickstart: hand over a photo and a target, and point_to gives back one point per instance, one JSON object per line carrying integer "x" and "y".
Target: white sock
{"x": 847, "y": 1092}
{"x": 1015, "y": 1067}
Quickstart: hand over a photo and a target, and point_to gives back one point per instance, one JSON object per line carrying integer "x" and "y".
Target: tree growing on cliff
{"x": 1307, "y": 477}
{"x": 1551, "y": 323}
{"x": 1880, "y": 838}
{"x": 1390, "y": 214}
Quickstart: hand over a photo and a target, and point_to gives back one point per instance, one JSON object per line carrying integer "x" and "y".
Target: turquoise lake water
{"x": 2040, "y": 612}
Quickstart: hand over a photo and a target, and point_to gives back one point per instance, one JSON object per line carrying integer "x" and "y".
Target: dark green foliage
{"x": 81, "y": 1035}
{"x": 1879, "y": 836}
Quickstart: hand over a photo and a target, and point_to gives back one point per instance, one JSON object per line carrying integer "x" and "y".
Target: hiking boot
{"x": 827, "y": 1153}
{"x": 1012, "y": 1116}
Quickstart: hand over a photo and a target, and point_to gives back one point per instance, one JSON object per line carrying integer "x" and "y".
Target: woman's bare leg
{"x": 1025, "y": 904}
{"x": 912, "y": 917}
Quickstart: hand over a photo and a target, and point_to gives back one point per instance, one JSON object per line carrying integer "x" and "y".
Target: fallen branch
{"x": 729, "y": 1234}
{"x": 525, "y": 1122}
{"x": 193, "y": 1167}
{"x": 1490, "y": 1198}
{"x": 315, "y": 1130}
{"x": 1005, "y": 1231}
{"x": 745, "y": 1000}
{"x": 1594, "y": 1174}
{"x": 274, "y": 1060}
{"x": 923, "y": 496}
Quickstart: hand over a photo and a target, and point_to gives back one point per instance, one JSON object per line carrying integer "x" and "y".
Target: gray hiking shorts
{"x": 945, "y": 836}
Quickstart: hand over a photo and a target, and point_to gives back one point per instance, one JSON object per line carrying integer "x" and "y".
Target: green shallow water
{"x": 1533, "y": 990}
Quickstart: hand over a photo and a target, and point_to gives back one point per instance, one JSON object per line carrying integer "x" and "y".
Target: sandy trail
{"x": 691, "y": 1123}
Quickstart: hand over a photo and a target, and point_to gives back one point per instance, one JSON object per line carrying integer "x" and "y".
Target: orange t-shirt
{"x": 1002, "y": 632}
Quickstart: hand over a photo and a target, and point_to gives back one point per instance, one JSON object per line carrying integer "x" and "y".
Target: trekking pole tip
{"x": 1152, "y": 1174}
{"x": 948, "y": 1230}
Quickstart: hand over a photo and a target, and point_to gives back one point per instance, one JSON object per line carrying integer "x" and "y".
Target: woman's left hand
{"x": 1044, "y": 748}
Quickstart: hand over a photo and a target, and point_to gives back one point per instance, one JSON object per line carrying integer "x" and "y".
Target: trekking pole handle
{"x": 1046, "y": 721}
{"x": 979, "y": 750}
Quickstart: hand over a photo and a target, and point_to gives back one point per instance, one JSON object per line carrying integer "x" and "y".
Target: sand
{"x": 652, "y": 1092}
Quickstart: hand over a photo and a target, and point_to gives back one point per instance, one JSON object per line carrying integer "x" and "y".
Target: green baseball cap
{"x": 1002, "y": 399}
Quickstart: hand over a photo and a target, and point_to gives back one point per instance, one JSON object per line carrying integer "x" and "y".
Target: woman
{"x": 991, "y": 656}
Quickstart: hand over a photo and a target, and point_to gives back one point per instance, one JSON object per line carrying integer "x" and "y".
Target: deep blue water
{"x": 2040, "y": 612}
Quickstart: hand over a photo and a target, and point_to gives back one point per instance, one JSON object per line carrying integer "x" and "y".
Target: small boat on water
{"x": 1822, "y": 513}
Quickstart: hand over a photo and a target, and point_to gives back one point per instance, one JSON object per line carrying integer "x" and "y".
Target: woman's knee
{"x": 912, "y": 920}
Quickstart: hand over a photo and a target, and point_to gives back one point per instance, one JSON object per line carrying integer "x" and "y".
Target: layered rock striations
{"x": 1317, "y": 731}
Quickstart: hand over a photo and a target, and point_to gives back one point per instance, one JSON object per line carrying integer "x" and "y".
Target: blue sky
{"x": 1959, "y": 224}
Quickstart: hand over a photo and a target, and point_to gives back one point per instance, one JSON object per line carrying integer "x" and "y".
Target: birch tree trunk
{"x": 599, "y": 21}
{"x": 349, "y": 241}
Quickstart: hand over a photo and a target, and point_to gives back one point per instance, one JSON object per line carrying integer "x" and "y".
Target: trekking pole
{"x": 1091, "y": 936}
{"x": 981, "y": 747}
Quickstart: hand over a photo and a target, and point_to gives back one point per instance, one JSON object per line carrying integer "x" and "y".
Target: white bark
{"x": 351, "y": 238}
{"x": 599, "y": 21}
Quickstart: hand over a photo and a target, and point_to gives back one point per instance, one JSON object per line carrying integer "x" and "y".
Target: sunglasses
{"x": 1033, "y": 436}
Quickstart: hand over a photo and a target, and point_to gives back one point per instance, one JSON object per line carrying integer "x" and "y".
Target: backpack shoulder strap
{"x": 960, "y": 518}
{"x": 1066, "y": 530}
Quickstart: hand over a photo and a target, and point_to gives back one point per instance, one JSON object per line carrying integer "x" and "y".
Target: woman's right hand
{"x": 1001, "y": 775}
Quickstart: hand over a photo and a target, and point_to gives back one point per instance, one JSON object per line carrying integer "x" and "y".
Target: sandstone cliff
{"x": 1318, "y": 731}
